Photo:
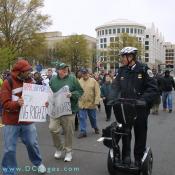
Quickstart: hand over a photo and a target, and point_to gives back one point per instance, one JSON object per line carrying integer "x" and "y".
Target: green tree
{"x": 5, "y": 58}
{"x": 74, "y": 50}
{"x": 35, "y": 48}
{"x": 19, "y": 22}
{"x": 124, "y": 40}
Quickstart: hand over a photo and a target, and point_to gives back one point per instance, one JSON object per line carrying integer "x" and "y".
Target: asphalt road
{"x": 90, "y": 157}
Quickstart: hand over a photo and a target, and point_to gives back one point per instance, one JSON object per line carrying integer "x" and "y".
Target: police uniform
{"x": 136, "y": 82}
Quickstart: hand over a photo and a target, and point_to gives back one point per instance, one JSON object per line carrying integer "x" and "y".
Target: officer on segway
{"x": 135, "y": 81}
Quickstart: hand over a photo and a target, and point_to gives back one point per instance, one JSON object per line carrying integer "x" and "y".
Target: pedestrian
{"x": 11, "y": 98}
{"x": 78, "y": 76}
{"x": 157, "y": 100}
{"x": 37, "y": 78}
{"x": 167, "y": 85}
{"x": 134, "y": 81}
{"x": 88, "y": 102}
{"x": 65, "y": 122}
{"x": 105, "y": 92}
{"x": 49, "y": 75}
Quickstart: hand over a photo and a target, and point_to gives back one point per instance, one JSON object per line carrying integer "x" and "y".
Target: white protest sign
{"x": 59, "y": 103}
{"x": 35, "y": 97}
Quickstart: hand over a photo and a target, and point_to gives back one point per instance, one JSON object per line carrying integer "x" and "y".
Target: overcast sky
{"x": 83, "y": 16}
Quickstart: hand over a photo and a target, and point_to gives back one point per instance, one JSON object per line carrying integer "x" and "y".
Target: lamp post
{"x": 74, "y": 65}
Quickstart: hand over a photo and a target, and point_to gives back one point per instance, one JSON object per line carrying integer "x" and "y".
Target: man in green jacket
{"x": 66, "y": 122}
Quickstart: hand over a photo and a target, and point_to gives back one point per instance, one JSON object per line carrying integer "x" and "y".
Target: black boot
{"x": 117, "y": 155}
{"x": 126, "y": 151}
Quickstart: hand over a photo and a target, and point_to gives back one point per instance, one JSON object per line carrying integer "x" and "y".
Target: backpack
{"x": 9, "y": 79}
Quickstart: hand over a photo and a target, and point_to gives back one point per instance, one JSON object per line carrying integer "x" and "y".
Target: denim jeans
{"x": 167, "y": 99}
{"x": 28, "y": 135}
{"x": 83, "y": 113}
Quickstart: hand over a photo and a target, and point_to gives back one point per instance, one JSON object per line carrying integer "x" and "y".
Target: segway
{"x": 111, "y": 136}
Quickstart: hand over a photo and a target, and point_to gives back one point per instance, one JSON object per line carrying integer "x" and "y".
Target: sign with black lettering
{"x": 35, "y": 97}
{"x": 59, "y": 103}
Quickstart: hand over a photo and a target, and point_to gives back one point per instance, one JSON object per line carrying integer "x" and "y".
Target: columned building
{"x": 149, "y": 37}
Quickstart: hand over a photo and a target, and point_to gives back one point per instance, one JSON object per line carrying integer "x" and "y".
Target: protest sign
{"x": 35, "y": 97}
{"x": 59, "y": 103}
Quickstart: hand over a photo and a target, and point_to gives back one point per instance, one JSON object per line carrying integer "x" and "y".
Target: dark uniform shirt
{"x": 136, "y": 82}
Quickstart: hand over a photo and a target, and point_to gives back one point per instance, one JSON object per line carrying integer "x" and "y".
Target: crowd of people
{"x": 86, "y": 92}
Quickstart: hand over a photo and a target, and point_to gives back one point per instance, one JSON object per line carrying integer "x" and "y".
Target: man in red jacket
{"x": 11, "y": 97}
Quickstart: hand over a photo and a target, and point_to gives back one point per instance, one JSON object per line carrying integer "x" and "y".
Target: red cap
{"x": 22, "y": 66}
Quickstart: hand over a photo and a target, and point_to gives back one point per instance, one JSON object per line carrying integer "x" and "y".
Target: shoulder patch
{"x": 150, "y": 73}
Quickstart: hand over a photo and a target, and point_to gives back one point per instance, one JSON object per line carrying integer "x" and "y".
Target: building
{"x": 169, "y": 56}
{"x": 148, "y": 36}
{"x": 154, "y": 46}
{"x": 52, "y": 38}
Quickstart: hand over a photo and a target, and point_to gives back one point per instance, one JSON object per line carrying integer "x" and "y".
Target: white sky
{"x": 83, "y": 16}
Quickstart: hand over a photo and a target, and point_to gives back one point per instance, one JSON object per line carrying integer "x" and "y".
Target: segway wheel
{"x": 148, "y": 164}
{"x": 110, "y": 164}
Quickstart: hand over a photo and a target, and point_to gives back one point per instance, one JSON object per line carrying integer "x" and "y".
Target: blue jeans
{"x": 28, "y": 135}
{"x": 83, "y": 113}
{"x": 167, "y": 99}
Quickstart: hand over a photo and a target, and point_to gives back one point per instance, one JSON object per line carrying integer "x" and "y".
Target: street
{"x": 90, "y": 157}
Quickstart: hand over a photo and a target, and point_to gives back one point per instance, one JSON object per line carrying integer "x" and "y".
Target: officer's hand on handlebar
{"x": 140, "y": 102}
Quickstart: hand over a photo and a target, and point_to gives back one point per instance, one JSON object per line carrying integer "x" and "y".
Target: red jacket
{"x": 10, "y": 95}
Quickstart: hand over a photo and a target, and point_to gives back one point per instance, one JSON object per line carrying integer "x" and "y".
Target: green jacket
{"x": 56, "y": 83}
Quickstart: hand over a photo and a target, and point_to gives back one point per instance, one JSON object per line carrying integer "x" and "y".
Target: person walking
{"x": 65, "y": 122}
{"x": 105, "y": 92}
{"x": 88, "y": 102}
{"x": 11, "y": 98}
{"x": 167, "y": 85}
{"x": 157, "y": 101}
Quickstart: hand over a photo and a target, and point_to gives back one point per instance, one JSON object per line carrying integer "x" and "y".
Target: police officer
{"x": 135, "y": 81}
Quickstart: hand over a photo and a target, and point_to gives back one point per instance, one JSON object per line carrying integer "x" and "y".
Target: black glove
{"x": 141, "y": 103}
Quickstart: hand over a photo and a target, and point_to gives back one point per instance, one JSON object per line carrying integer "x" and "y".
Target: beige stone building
{"x": 52, "y": 38}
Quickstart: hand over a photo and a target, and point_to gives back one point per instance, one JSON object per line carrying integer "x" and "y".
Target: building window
{"x": 111, "y": 39}
{"x": 123, "y": 30}
{"x": 101, "y": 40}
{"x": 102, "y": 32}
{"x": 146, "y": 47}
{"x": 105, "y": 45}
{"x": 147, "y": 36}
{"x": 106, "y": 31}
{"x": 146, "y": 42}
{"x": 118, "y": 30}
{"x": 146, "y": 54}
{"x": 135, "y": 30}
{"x": 146, "y": 60}
{"x": 109, "y": 31}
{"x": 101, "y": 46}
{"x": 114, "y": 31}
{"x": 127, "y": 30}
{"x": 131, "y": 30}
{"x": 116, "y": 38}
{"x": 104, "y": 39}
